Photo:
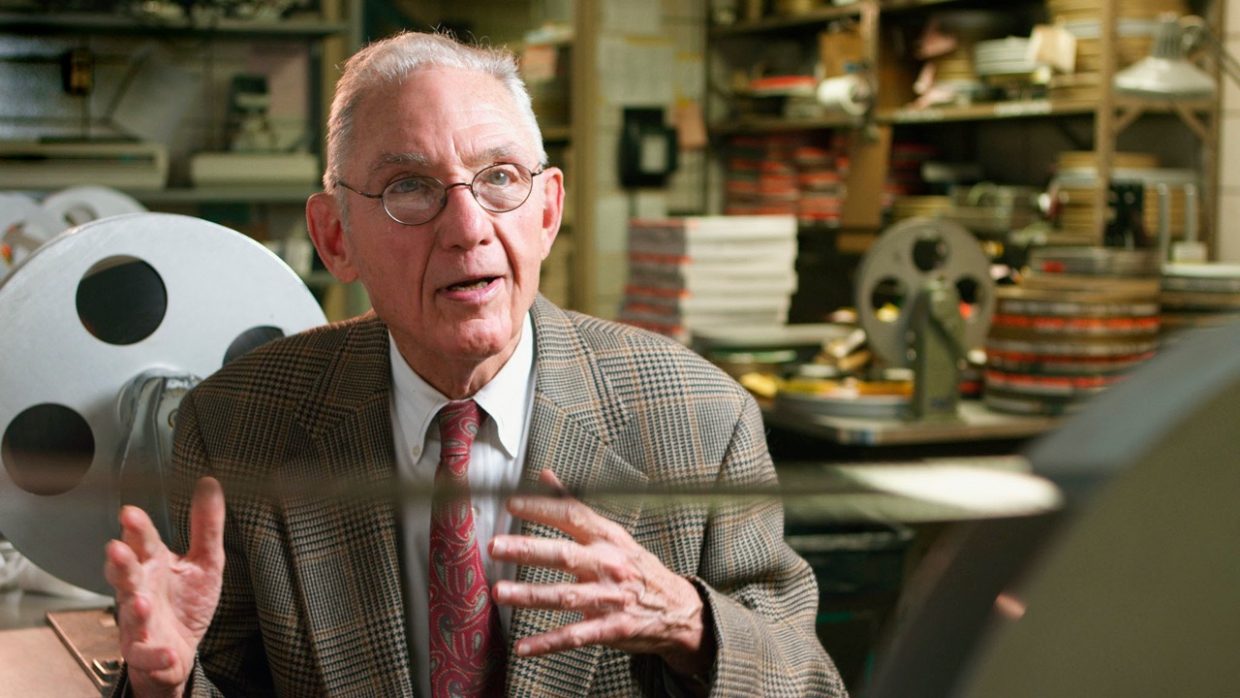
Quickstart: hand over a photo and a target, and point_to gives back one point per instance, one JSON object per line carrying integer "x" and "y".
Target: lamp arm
{"x": 1196, "y": 34}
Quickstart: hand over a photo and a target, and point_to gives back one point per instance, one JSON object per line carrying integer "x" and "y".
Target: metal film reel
{"x": 83, "y": 317}
{"x": 24, "y": 226}
{"x": 78, "y": 205}
{"x": 905, "y": 260}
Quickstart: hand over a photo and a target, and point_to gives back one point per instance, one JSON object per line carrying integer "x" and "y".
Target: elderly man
{"x": 440, "y": 202}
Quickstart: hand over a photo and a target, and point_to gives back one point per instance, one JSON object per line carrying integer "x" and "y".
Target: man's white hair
{"x": 388, "y": 62}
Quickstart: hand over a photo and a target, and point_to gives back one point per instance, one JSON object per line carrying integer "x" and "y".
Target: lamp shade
{"x": 1165, "y": 74}
{"x": 1164, "y": 78}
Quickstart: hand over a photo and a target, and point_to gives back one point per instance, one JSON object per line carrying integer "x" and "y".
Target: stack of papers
{"x": 709, "y": 271}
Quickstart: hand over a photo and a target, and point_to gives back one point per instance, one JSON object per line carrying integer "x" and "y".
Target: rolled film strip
{"x": 1042, "y": 406}
{"x": 1022, "y": 301}
{"x": 83, "y": 316}
{"x": 1093, "y": 261}
{"x": 1198, "y": 300}
{"x": 1118, "y": 289}
{"x": 1042, "y": 385}
{"x": 1081, "y": 319}
{"x": 907, "y": 258}
{"x": 1063, "y": 365}
{"x": 1122, "y": 347}
{"x": 1012, "y": 325}
{"x": 1196, "y": 295}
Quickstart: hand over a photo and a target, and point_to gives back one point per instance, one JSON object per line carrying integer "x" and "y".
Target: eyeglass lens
{"x": 499, "y": 188}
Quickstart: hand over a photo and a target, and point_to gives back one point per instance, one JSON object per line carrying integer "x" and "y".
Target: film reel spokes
{"x": 925, "y": 298}
{"x": 106, "y": 326}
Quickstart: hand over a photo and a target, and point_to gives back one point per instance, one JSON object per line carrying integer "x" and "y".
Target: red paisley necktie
{"x": 466, "y": 643}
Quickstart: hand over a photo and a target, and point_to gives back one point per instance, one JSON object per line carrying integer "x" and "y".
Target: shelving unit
{"x": 324, "y": 36}
{"x": 1109, "y": 114}
{"x": 240, "y": 194}
{"x": 92, "y": 23}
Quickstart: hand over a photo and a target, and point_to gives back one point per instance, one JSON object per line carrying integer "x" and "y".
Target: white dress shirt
{"x": 495, "y": 463}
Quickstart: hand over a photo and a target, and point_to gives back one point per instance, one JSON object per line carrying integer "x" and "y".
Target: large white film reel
{"x": 908, "y": 258}
{"x": 83, "y": 316}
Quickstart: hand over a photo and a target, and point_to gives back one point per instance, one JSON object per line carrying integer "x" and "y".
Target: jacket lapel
{"x": 570, "y": 430}
{"x": 344, "y": 551}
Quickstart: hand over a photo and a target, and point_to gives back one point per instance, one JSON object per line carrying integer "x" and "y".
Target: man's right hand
{"x": 165, "y": 601}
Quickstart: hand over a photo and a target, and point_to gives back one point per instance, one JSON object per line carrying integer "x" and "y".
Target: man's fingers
{"x": 121, "y": 567}
{"x": 139, "y": 533}
{"x": 133, "y": 616}
{"x": 597, "y": 631}
{"x": 548, "y": 478}
{"x": 568, "y": 515}
{"x": 206, "y": 524}
{"x": 587, "y": 598}
{"x": 576, "y": 559}
{"x": 146, "y": 657}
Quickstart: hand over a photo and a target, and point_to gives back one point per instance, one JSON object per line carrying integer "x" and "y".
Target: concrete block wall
{"x": 649, "y": 55}
{"x": 1228, "y": 233}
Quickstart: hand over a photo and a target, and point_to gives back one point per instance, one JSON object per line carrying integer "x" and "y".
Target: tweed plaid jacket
{"x": 312, "y": 599}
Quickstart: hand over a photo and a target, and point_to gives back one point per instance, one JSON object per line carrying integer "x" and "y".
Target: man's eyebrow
{"x": 502, "y": 153}
{"x": 404, "y": 159}
{"x": 499, "y": 153}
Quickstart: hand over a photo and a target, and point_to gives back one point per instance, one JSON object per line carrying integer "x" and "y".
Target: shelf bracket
{"x": 1190, "y": 119}
{"x": 1126, "y": 117}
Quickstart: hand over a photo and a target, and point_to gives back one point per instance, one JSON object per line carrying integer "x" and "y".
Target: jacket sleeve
{"x": 762, "y": 597}
{"x": 231, "y": 659}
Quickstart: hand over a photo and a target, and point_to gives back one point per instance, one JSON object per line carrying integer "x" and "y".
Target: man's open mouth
{"x": 472, "y": 285}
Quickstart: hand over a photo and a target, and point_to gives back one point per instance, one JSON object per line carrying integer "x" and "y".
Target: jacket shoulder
{"x": 285, "y": 371}
{"x": 634, "y": 355}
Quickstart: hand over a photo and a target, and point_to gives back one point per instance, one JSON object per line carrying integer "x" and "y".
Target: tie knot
{"x": 458, "y": 425}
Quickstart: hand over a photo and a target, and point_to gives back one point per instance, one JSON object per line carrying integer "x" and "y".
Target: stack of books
{"x": 709, "y": 271}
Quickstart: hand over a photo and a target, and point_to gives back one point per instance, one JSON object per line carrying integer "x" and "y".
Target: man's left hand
{"x": 630, "y": 601}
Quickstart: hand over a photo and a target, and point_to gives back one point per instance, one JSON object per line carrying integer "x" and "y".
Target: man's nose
{"x": 463, "y": 221}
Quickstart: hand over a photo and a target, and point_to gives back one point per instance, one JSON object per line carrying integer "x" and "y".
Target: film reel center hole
{"x": 251, "y": 339}
{"x": 47, "y": 449}
{"x": 970, "y": 292}
{"x": 121, "y": 300}
{"x": 929, "y": 253}
{"x": 887, "y": 298}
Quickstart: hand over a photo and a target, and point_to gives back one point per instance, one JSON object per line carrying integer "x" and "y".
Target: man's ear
{"x": 553, "y": 206}
{"x": 327, "y": 234}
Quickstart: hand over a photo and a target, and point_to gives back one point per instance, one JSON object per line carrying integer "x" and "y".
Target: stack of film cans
{"x": 1199, "y": 295}
{"x": 1080, "y": 320}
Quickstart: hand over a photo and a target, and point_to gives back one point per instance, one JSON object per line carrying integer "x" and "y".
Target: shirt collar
{"x": 504, "y": 399}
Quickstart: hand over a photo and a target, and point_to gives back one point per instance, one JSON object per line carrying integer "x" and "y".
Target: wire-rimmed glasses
{"x": 417, "y": 199}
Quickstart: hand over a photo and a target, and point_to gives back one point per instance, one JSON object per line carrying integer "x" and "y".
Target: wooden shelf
{"x": 890, "y": 5}
{"x": 986, "y": 112}
{"x": 248, "y": 194}
{"x": 89, "y": 23}
{"x": 773, "y": 24}
{"x": 816, "y": 16}
{"x": 974, "y": 112}
{"x": 775, "y": 124}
